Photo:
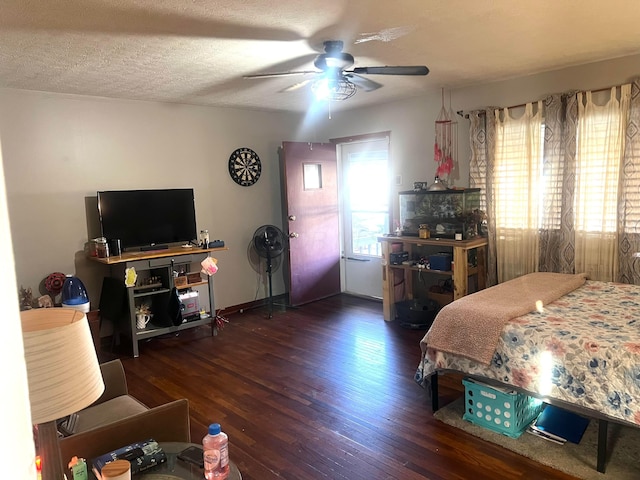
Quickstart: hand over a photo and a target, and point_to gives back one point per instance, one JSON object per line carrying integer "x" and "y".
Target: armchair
{"x": 114, "y": 404}
{"x": 117, "y": 419}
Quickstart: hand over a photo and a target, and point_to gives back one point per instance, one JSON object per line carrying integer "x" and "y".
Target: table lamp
{"x": 63, "y": 375}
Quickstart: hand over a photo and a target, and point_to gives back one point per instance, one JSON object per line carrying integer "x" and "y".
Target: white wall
{"x": 21, "y": 455}
{"x": 60, "y": 150}
{"x": 412, "y": 122}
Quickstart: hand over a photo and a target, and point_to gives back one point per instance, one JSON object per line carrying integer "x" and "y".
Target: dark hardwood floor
{"x": 325, "y": 391}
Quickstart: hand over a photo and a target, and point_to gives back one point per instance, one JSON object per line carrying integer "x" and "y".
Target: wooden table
{"x": 460, "y": 273}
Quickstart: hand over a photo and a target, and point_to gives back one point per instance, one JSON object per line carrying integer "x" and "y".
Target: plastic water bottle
{"x": 216, "y": 453}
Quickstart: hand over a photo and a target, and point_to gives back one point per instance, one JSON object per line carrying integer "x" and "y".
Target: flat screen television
{"x": 148, "y": 219}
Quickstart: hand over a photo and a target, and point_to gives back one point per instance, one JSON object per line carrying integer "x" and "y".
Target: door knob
{"x": 292, "y": 218}
{"x": 293, "y": 235}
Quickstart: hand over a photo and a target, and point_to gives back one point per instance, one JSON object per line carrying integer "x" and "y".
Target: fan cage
{"x": 335, "y": 89}
{"x": 269, "y": 240}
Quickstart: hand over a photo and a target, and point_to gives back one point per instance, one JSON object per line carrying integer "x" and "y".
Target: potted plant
{"x": 143, "y": 309}
{"x": 474, "y": 222}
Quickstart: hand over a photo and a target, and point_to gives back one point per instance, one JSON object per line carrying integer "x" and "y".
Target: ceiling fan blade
{"x": 294, "y": 66}
{"x": 364, "y": 83}
{"x": 386, "y": 70}
{"x": 296, "y": 86}
{"x": 385, "y": 35}
{"x": 281, "y": 74}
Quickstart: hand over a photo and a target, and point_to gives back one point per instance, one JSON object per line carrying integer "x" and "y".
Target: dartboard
{"x": 244, "y": 166}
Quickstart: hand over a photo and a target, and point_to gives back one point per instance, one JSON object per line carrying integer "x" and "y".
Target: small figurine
{"x": 130, "y": 277}
{"x": 26, "y": 298}
{"x": 45, "y": 301}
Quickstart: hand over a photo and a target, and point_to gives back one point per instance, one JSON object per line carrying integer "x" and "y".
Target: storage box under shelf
{"x": 504, "y": 411}
{"x": 441, "y": 299}
{"x": 184, "y": 281}
{"x": 440, "y": 261}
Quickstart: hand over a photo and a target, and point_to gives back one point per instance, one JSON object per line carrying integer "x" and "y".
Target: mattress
{"x": 583, "y": 349}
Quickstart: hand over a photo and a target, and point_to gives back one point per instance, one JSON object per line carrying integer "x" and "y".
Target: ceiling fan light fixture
{"x": 335, "y": 89}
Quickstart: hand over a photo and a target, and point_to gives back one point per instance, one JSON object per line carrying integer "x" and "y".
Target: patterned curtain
{"x": 557, "y": 238}
{"x": 629, "y": 198}
{"x": 557, "y": 233}
{"x": 481, "y": 171}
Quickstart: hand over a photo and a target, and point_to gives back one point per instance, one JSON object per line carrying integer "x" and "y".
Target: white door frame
{"x": 374, "y": 278}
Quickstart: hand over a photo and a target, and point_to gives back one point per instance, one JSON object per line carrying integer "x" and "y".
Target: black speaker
{"x": 159, "y": 305}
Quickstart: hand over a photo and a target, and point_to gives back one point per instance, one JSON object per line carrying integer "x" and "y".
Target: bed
{"x": 580, "y": 351}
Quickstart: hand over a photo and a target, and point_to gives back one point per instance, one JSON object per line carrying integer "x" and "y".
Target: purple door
{"x": 311, "y": 187}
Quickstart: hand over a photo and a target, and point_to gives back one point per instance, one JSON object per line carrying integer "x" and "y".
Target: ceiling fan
{"x": 336, "y": 78}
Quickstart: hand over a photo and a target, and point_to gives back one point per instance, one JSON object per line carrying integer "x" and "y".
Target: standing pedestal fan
{"x": 269, "y": 242}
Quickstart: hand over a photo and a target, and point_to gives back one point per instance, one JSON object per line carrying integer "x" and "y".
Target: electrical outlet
{"x": 398, "y": 180}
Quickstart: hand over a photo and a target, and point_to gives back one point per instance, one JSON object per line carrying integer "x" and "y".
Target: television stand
{"x": 154, "y": 288}
{"x": 152, "y": 248}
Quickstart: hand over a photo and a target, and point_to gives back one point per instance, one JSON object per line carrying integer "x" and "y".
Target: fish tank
{"x": 445, "y": 212}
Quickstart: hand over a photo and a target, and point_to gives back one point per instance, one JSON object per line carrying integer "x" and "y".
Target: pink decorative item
{"x": 444, "y": 150}
{"x": 209, "y": 266}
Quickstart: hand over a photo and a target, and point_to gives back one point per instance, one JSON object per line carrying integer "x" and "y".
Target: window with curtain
{"x": 574, "y": 194}
{"x": 600, "y": 144}
{"x": 517, "y": 189}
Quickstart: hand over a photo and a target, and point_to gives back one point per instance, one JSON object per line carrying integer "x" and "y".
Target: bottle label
{"x": 224, "y": 456}
{"x": 211, "y": 461}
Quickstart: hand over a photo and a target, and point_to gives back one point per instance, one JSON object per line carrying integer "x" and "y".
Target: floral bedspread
{"x": 583, "y": 349}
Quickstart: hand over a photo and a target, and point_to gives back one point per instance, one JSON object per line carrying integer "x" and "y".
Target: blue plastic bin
{"x": 503, "y": 411}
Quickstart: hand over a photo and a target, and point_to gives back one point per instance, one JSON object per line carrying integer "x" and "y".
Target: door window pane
{"x": 368, "y": 196}
{"x": 312, "y": 176}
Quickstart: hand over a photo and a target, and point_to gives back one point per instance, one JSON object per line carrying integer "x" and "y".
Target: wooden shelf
{"x": 146, "y": 288}
{"x": 471, "y": 270}
{"x": 153, "y": 254}
{"x": 190, "y": 285}
{"x": 460, "y": 274}
{"x": 153, "y": 331}
{"x": 435, "y": 242}
{"x": 148, "y": 293}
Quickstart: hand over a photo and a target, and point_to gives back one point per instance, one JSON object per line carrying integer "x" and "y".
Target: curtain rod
{"x": 466, "y": 115}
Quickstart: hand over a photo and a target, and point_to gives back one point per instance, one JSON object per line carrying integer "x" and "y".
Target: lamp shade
{"x": 62, "y": 367}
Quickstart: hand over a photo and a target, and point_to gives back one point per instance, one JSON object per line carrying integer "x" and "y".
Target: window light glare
{"x": 546, "y": 366}
{"x": 321, "y": 89}
{"x": 334, "y": 89}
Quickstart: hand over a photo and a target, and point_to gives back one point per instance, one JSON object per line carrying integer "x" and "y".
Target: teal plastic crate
{"x": 504, "y": 411}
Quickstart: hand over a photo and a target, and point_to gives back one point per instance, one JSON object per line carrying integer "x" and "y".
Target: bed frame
{"x": 582, "y": 309}
{"x": 603, "y": 421}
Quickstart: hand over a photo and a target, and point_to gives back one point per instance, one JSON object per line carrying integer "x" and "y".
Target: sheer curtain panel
{"x": 517, "y": 191}
{"x": 600, "y": 146}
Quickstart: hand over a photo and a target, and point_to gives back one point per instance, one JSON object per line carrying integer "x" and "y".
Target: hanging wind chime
{"x": 445, "y": 147}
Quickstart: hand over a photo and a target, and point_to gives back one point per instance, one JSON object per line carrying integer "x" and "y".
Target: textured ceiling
{"x": 197, "y": 51}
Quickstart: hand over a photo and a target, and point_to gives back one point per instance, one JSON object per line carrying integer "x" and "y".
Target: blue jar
{"x": 74, "y": 294}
